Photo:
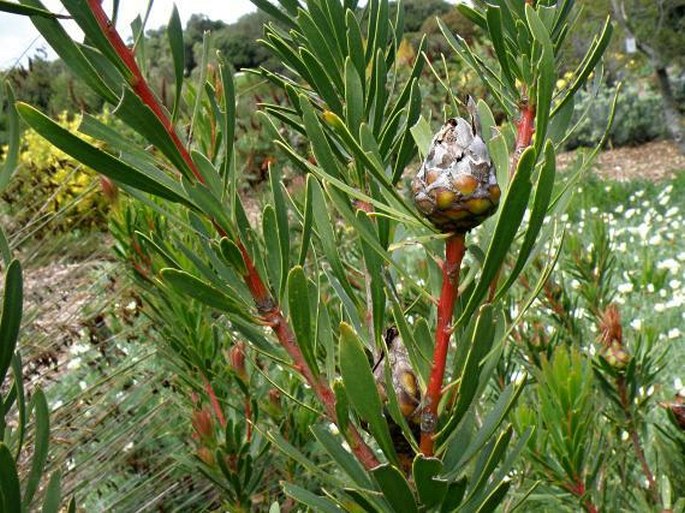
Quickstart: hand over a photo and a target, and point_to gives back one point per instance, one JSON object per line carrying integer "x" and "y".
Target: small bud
{"x": 109, "y": 189}
{"x": 206, "y": 456}
{"x": 615, "y": 355}
{"x": 237, "y": 356}
{"x": 456, "y": 187}
{"x": 203, "y": 424}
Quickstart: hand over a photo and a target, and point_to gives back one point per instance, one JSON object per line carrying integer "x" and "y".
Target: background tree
{"x": 658, "y": 27}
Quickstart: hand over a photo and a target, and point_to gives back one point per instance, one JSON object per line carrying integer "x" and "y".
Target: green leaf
{"x": 281, "y": 223}
{"x": 40, "y": 450}
{"x": 158, "y": 184}
{"x": 361, "y": 389}
{"x": 511, "y": 212}
{"x": 479, "y": 346}
{"x": 354, "y": 97}
{"x": 307, "y": 222}
{"x": 342, "y": 457}
{"x": 322, "y": 150}
{"x": 374, "y": 270}
{"x": 356, "y": 45}
{"x": 274, "y": 12}
{"x": 320, "y": 81}
{"x": 11, "y": 162}
{"x": 429, "y": 486}
{"x": 423, "y": 135}
{"x": 52, "y": 500}
{"x": 60, "y": 41}
{"x": 10, "y": 322}
{"x": 24, "y": 10}
{"x": 229, "y": 117}
{"x": 456, "y": 457}
{"x": 272, "y": 246}
{"x": 318, "y": 504}
{"x": 195, "y": 288}
{"x": 143, "y": 120}
{"x": 594, "y": 54}
{"x": 175, "y": 34}
{"x": 232, "y": 254}
{"x": 5, "y": 249}
{"x": 488, "y": 459}
{"x": 300, "y": 315}
{"x": 327, "y": 238}
{"x": 541, "y": 201}
{"x": 395, "y": 489}
{"x": 494, "y": 20}
{"x": 10, "y": 494}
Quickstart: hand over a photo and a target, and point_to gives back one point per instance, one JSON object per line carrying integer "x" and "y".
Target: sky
{"x": 20, "y": 40}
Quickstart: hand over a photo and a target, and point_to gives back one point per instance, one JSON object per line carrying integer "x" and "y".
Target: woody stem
{"x": 455, "y": 248}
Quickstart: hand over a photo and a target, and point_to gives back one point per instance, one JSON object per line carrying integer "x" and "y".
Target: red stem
{"x": 454, "y": 253}
{"x": 138, "y": 82}
{"x": 269, "y": 310}
{"x": 525, "y": 127}
{"x": 578, "y": 490}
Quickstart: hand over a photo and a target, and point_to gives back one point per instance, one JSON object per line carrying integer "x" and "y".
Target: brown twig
{"x": 454, "y": 254}
{"x": 270, "y": 313}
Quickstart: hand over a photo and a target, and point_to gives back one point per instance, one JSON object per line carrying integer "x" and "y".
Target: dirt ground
{"x": 656, "y": 161}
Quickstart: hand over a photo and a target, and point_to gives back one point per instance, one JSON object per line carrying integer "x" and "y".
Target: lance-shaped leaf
{"x": 541, "y": 201}
{"x": 175, "y": 34}
{"x": 342, "y": 457}
{"x": 9, "y": 165}
{"x": 53, "y": 495}
{"x": 202, "y": 291}
{"x": 511, "y": 212}
{"x": 300, "y": 315}
{"x": 12, "y": 307}
{"x": 317, "y": 503}
{"x": 430, "y": 487}
{"x": 10, "y": 494}
{"x": 395, "y": 489}
{"x": 360, "y": 386}
{"x": 158, "y": 183}
{"x": 40, "y": 447}
{"x": 281, "y": 212}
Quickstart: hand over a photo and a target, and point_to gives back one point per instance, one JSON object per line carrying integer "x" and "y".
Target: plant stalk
{"x": 635, "y": 438}
{"x": 270, "y": 312}
{"x": 455, "y": 248}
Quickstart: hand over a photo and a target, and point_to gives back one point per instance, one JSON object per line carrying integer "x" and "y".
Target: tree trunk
{"x": 671, "y": 113}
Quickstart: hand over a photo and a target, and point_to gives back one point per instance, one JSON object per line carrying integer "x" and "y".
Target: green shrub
{"x": 639, "y": 116}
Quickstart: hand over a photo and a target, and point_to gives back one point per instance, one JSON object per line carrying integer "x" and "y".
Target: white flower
{"x": 82, "y": 385}
{"x": 677, "y": 383}
{"x": 639, "y": 194}
{"x": 650, "y": 288}
{"x": 662, "y": 293}
{"x": 636, "y": 324}
{"x": 74, "y": 363}
{"x": 575, "y": 284}
{"x": 659, "y": 307}
{"x": 671, "y": 211}
{"x": 625, "y": 288}
{"x": 594, "y": 210}
{"x": 629, "y": 213}
{"x": 674, "y": 284}
{"x": 655, "y": 240}
{"x": 670, "y": 263}
{"x": 665, "y": 201}
{"x": 619, "y": 209}
{"x": 674, "y": 333}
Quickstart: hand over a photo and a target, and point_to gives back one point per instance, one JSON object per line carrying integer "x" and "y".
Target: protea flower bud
{"x": 456, "y": 187}
{"x": 404, "y": 380}
{"x": 616, "y": 355}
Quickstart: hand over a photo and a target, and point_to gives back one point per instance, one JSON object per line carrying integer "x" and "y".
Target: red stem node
{"x": 454, "y": 253}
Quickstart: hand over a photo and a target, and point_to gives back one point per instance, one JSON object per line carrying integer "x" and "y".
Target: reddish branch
{"x": 268, "y": 309}
{"x": 454, "y": 254}
{"x": 138, "y": 82}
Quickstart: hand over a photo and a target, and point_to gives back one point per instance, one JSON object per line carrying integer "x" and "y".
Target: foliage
{"x": 600, "y": 306}
{"x": 18, "y": 413}
{"x": 327, "y": 273}
{"x": 639, "y": 117}
{"x": 54, "y": 182}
